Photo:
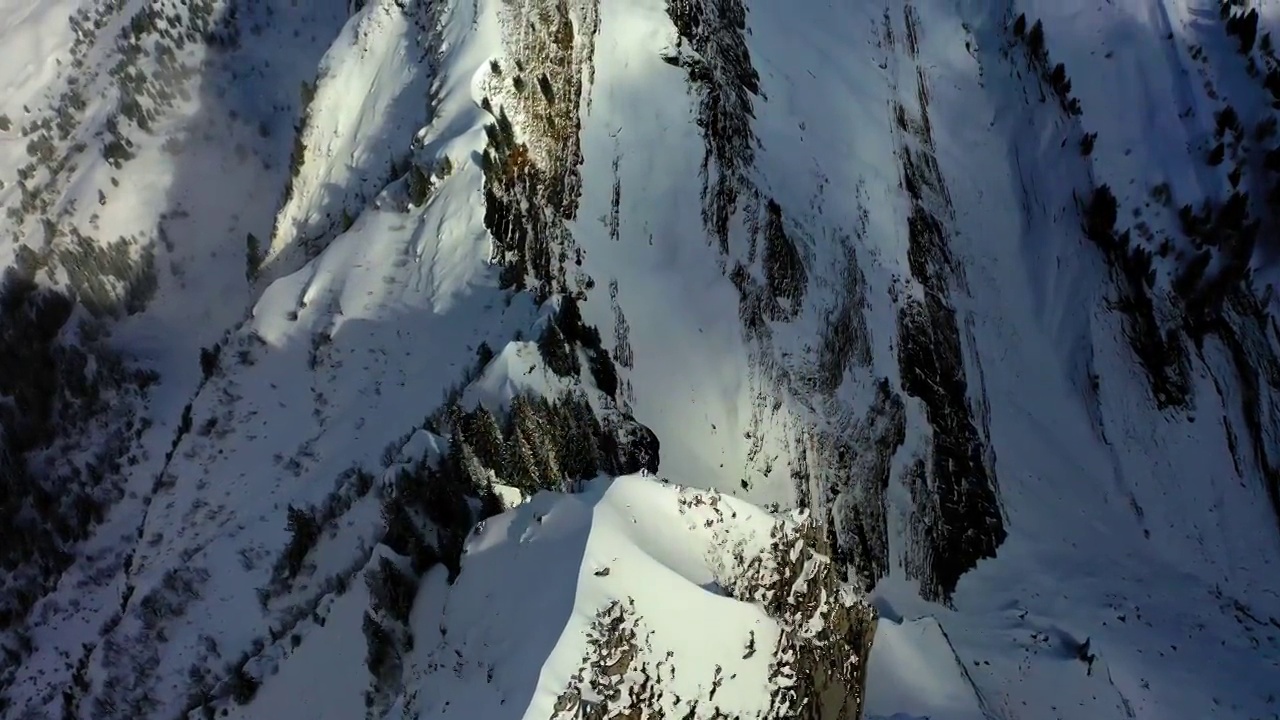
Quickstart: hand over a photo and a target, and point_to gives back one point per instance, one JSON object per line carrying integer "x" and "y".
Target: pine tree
{"x": 1227, "y": 121}
{"x": 1188, "y": 281}
{"x": 1217, "y": 155}
{"x": 1035, "y": 43}
{"x": 253, "y": 257}
{"x": 391, "y": 590}
{"x": 569, "y": 318}
{"x": 444, "y": 494}
{"x": 522, "y": 466}
{"x": 402, "y": 534}
{"x": 304, "y": 534}
{"x": 603, "y": 371}
{"x": 577, "y": 434}
{"x": 1100, "y": 216}
{"x": 209, "y": 360}
{"x": 506, "y": 130}
{"x": 419, "y": 186}
{"x": 474, "y": 473}
{"x": 559, "y": 355}
{"x": 534, "y": 452}
{"x": 484, "y": 354}
{"x": 482, "y": 434}
{"x": 1087, "y": 142}
{"x": 1058, "y": 79}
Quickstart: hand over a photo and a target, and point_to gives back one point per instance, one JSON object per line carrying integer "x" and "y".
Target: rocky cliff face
{"x": 815, "y": 668}
{"x": 956, "y": 518}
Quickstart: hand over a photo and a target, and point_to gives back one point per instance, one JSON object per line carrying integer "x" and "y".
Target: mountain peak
{"x": 352, "y": 355}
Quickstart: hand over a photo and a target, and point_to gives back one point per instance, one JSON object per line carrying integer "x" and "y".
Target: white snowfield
{"x": 1141, "y": 573}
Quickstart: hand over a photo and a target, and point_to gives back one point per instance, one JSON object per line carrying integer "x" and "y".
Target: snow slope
{"x": 840, "y": 259}
{"x": 626, "y": 562}
{"x": 916, "y": 674}
{"x": 350, "y": 149}
{"x": 652, "y": 577}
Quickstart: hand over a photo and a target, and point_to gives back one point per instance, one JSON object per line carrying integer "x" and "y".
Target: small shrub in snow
{"x": 242, "y": 686}
{"x": 1216, "y": 155}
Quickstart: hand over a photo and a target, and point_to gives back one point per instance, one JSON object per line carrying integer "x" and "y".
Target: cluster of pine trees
{"x": 1227, "y": 232}
{"x": 306, "y": 525}
{"x": 432, "y": 506}
{"x": 392, "y": 590}
{"x": 1038, "y": 53}
{"x": 515, "y": 214}
{"x": 1241, "y": 24}
{"x": 544, "y": 444}
{"x": 1160, "y": 352}
{"x": 59, "y": 471}
{"x": 566, "y": 335}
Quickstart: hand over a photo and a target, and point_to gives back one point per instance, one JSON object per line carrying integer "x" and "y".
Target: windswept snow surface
{"x": 1140, "y": 576}
{"x": 916, "y": 674}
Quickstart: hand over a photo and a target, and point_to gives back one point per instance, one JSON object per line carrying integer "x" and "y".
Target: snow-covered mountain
{"x": 639, "y": 358}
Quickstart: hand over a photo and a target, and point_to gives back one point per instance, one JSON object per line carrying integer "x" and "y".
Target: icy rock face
{"x": 821, "y": 656}
{"x": 955, "y": 519}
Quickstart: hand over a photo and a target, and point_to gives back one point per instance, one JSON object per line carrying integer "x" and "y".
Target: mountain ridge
{"x": 935, "y": 328}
